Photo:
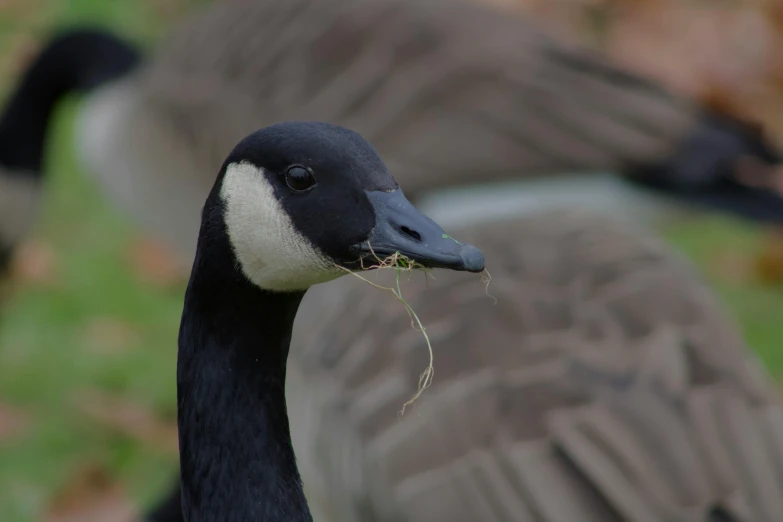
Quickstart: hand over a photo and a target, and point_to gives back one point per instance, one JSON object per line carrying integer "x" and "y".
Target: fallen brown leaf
{"x": 130, "y": 419}
{"x": 170, "y": 10}
{"x": 768, "y": 266}
{"x": 12, "y": 422}
{"x": 105, "y": 335}
{"x": 24, "y": 50}
{"x": 35, "y": 262}
{"x": 91, "y": 495}
{"x": 19, "y": 8}
{"x": 735, "y": 267}
{"x": 154, "y": 263}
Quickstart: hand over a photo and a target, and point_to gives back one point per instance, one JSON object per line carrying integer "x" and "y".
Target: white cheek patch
{"x": 271, "y": 252}
{"x": 19, "y": 198}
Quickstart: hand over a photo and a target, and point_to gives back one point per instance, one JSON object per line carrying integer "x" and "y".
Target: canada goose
{"x": 295, "y": 204}
{"x": 74, "y": 62}
{"x": 449, "y": 92}
{"x": 606, "y": 385}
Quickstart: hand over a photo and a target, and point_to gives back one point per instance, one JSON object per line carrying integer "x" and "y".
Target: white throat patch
{"x": 272, "y": 253}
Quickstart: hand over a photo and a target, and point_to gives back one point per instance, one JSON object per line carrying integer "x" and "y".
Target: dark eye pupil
{"x": 299, "y": 178}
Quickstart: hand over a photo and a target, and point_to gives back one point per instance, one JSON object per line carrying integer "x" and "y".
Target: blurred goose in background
{"x": 606, "y": 385}
{"x": 73, "y": 62}
{"x": 450, "y": 92}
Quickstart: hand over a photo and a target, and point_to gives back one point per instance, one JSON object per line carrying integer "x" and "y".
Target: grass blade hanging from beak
{"x": 402, "y": 263}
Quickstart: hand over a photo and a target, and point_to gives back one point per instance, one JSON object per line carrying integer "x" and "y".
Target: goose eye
{"x": 299, "y": 178}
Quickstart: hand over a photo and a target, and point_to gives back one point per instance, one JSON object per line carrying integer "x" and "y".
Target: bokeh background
{"x": 87, "y": 342}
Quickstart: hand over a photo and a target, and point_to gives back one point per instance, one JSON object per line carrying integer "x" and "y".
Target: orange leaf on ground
{"x": 106, "y": 335}
{"x": 91, "y": 495}
{"x": 129, "y": 419}
{"x": 171, "y": 10}
{"x": 154, "y": 263}
{"x": 12, "y": 422}
{"x": 35, "y": 262}
{"x": 25, "y": 49}
{"x": 769, "y": 262}
{"x": 732, "y": 266}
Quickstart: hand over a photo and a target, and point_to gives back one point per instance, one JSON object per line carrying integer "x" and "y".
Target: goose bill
{"x": 400, "y": 227}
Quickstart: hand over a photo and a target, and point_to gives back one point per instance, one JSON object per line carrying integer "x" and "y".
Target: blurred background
{"x": 87, "y": 389}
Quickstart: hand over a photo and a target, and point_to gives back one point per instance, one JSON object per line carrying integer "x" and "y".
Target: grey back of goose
{"x": 449, "y": 92}
{"x": 606, "y": 385}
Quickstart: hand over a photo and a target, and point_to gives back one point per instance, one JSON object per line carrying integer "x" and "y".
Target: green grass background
{"x": 44, "y": 358}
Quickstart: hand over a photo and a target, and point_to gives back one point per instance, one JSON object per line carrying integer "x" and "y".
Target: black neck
{"x": 237, "y": 461}
{"x": 75, "y": 61}
{"x": 5, "y": 256}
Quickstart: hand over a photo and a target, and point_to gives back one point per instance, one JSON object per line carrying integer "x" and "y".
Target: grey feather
{"x": 449, "y": 92}
{"x": 607, "y": 384}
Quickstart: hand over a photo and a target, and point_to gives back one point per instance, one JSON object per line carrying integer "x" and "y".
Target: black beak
{"x": 399, "y": 227}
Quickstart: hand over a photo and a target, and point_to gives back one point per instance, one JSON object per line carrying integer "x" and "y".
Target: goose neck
{"x": 237, "y": 461}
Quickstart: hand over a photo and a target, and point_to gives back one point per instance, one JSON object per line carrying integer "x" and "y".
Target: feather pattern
{"x": 607, "y": 384}
{"x": 448, "y": 93}
{"x": 408, "y": 76}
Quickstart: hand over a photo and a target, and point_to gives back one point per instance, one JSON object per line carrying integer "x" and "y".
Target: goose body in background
{"x": 295, "y": 204}
{"x": 606, "y": 385}
{"x": 450, "y": 92}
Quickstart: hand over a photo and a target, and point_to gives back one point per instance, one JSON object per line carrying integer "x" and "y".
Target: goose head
{"x": 727, "y": 166}
{"x": 301, "y": 201}
{"x": 294, "y": 205}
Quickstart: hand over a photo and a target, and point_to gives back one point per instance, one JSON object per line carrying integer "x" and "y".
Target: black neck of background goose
{"x": 236, "y": 458}
{"x": 702, "y": 171}
{"x": 74, "y": 61}
{"x": 5, "y": 257}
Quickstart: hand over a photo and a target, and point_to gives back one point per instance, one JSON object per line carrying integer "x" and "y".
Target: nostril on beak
{"x": 410, "y": 233}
